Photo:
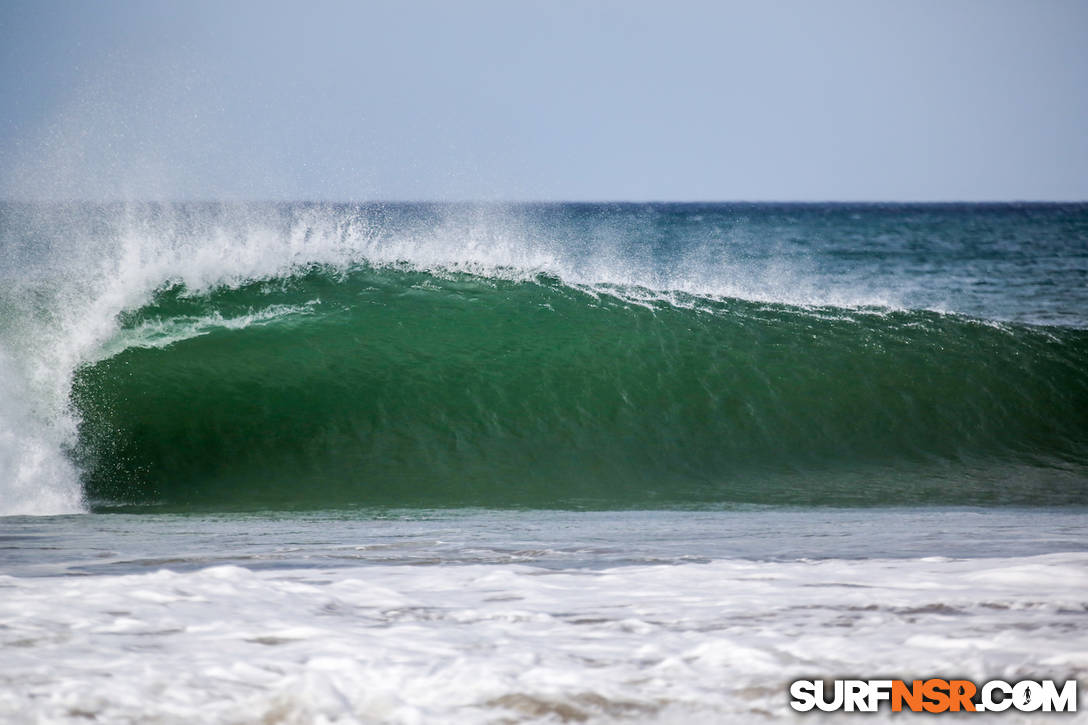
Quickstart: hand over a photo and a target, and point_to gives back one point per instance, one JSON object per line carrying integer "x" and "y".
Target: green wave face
{"x": 400, "y": 387}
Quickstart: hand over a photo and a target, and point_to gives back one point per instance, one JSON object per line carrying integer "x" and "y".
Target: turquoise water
{"x": 394, "y": 387}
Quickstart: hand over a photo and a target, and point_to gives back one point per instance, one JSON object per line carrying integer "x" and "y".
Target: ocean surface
{"x": 410, "y": 463}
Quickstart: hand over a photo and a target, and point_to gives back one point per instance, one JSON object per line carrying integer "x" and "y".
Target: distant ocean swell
{"x": 393, "y": 385}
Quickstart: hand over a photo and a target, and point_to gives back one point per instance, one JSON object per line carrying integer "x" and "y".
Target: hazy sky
{"x": 501, "y": 100}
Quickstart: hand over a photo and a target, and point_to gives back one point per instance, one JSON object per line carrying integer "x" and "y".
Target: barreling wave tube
{"x": 395, "y": 386}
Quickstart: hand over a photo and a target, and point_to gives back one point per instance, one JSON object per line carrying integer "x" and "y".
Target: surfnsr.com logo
{"x": 934, "y": 695}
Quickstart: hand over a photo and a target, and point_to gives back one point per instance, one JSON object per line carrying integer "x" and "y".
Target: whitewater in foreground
{"x": 423, "y": 463}
{"x": 483, "y": 617}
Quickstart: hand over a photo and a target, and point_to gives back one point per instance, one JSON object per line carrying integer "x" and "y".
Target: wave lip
{"x": 398, "y": 386}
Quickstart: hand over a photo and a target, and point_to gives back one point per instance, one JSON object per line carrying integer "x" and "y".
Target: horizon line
{"x": 541, "y": 202}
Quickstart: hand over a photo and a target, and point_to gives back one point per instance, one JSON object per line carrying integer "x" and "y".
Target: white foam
{"x": 160, "y": 333}
{"x": 685, "y": 643}
{"x": 37, "y": 476}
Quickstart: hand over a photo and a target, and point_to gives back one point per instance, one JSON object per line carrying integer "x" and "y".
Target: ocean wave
{"x": 538, "y": 355}
{"x": 401, "y": 386}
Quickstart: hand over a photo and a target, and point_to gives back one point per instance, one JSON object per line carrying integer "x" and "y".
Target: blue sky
{"x": 867, "y": 100}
